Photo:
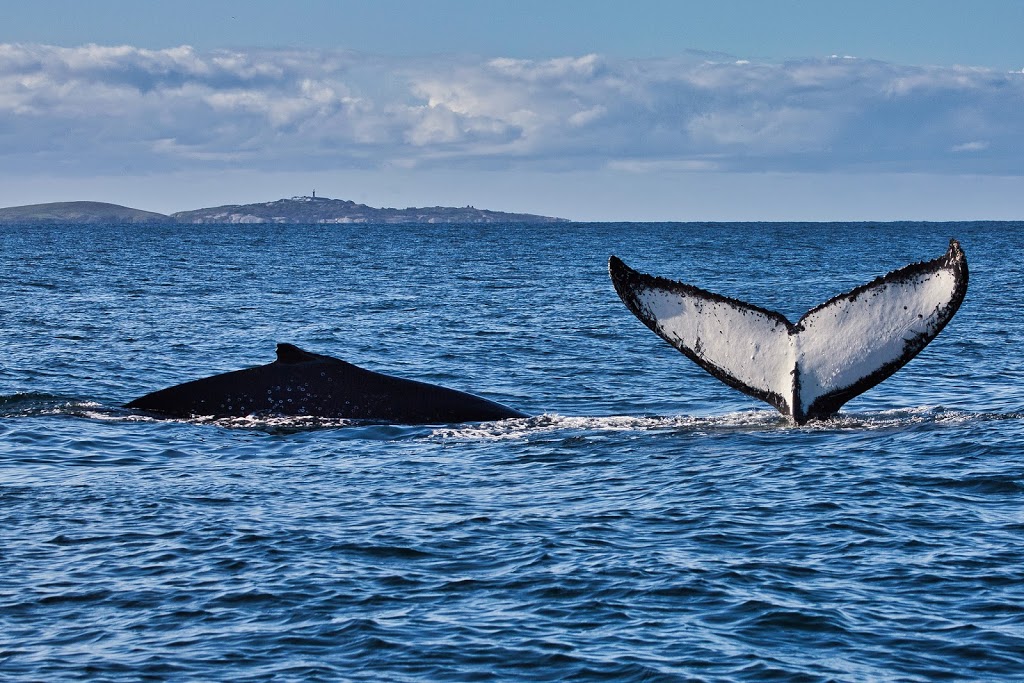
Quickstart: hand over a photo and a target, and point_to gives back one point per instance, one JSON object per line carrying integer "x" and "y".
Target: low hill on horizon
{"x": 80, "y": 212}
{"x": 296, "y": 210}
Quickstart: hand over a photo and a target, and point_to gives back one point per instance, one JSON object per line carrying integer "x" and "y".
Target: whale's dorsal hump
{"x": 289, "y": 353}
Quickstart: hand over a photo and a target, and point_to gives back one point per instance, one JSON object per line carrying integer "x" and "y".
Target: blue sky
{"x": 589, "y": 110}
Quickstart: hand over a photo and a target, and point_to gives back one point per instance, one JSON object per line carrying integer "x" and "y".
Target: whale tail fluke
{"x": 835, "y": 352}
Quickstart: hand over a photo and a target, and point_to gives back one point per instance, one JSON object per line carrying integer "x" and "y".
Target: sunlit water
{"x": 649, "y": 523}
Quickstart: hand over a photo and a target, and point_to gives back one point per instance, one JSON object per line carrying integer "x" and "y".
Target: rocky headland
{"x": 297, "y": 210}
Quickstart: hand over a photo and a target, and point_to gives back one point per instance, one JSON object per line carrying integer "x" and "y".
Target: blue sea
{"x": 647, "y": 524}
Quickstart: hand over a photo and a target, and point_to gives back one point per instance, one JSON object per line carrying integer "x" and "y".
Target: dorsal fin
{"x": 289, "y": 353}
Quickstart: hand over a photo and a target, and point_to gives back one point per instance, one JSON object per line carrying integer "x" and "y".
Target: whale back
{"x": 301, "y": 383}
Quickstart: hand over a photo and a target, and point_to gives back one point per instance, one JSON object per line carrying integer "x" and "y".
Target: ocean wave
{"x": 754, "y": 420}
{"x": 34, "y": 404}
{"x": 29, "y": 404}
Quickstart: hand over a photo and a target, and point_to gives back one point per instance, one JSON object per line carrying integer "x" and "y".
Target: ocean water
{"x": 648, "y": 523}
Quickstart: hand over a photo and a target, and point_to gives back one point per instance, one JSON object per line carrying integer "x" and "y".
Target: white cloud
{"x": 645, "y": 166}
{"x": 974, "y": 146}
{"x": 100, "y": 109}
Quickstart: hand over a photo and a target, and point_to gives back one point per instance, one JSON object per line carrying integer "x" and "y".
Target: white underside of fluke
{"x": 836, "y": 351}
{"x": 745, "y": 344}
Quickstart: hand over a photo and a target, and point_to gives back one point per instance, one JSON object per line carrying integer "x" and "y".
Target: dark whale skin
{"x": 300, "y": 383}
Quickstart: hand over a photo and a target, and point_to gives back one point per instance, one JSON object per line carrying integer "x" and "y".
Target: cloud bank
{"x": 102, "y": 109}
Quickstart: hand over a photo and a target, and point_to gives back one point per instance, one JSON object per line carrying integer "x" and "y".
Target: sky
{"x": 588, "y": 110}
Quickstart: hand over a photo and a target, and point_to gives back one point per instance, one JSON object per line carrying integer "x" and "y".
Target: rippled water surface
{"x": 649, "y": 523}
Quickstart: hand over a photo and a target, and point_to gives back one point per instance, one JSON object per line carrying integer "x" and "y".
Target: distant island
{"x": 79, "y": 212}
{"x": 297, "y": 210}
